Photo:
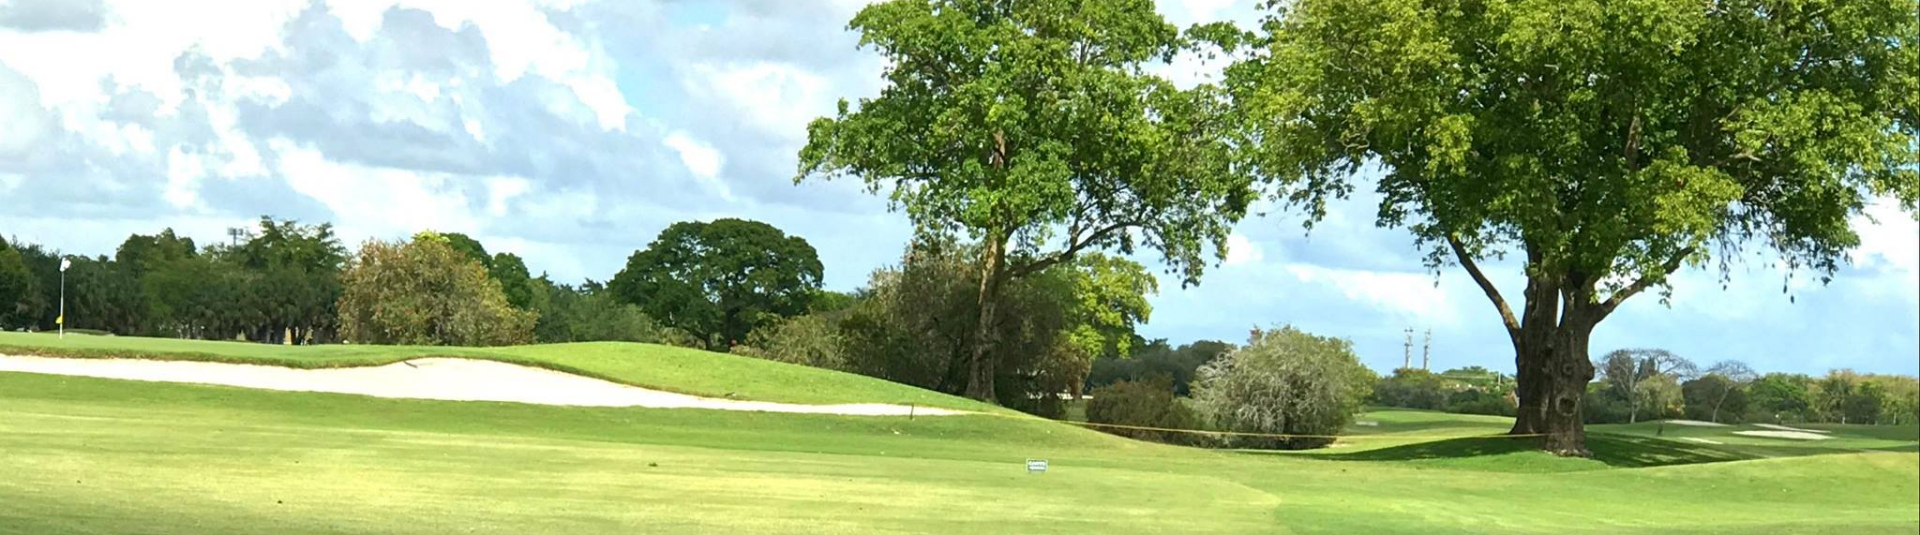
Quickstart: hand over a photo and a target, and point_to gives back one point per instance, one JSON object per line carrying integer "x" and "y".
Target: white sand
{"x": 1785, "y": 428}
{"x": 1701, "y": 440}
{"x": 1798, "y": 435}
{"x": 1696, "y": 423}
{"x": 433, "y": 378}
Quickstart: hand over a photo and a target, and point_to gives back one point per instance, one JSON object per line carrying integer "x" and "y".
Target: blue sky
{"x": 572, "y": 131}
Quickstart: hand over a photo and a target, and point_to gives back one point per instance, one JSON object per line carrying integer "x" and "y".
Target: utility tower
{"x": 1407, "y": 361}
{"x": 1426, "y": 351}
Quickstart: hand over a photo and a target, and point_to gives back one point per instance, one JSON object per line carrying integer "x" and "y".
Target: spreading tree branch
{"x": 1073, "y": 248}
{"x": 1646, "y": 281}
{"x": 1493, "y": 293}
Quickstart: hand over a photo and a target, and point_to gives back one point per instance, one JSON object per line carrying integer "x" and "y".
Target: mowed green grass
{"x": 82, "y": 455}
{"x": 677, "y": 369}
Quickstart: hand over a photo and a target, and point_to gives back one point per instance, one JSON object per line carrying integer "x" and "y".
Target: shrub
{"x": 1493, "y": 402}
{"x": 810, "y": 340}
{"x": 424, "y": 292}
{"x": 1148, "y": 403}
{"x": 1284, "y": 381}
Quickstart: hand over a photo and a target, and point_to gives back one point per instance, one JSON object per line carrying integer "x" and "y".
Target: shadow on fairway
{"x": 1613, "y": 450}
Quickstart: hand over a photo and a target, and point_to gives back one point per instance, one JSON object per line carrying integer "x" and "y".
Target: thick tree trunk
{"x": 1550, "y": 349}
{"x": 981, "y": 368}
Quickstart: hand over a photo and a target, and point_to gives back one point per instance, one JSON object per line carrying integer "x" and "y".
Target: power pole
{"x": 1426, "y": 351}
{"x": 1407, "y": 361}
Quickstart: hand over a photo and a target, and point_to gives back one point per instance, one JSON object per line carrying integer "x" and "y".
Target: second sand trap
{"x": 1798, "y": 435}
{"x": 1696, "y": 423}
{"x": 1701, "y": 440}
{"x": 434, "y": 378}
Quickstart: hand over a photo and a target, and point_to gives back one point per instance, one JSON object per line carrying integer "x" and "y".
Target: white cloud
{"x": 1888, "y": 237}
{"x": 500, "y": 190}
{"x": 376, "y": 201}
{"x": 1411, "y": 296}
{"x": 781, "y": 97}
{"x": 702, "y": 159}
{"x": 1241, "y": 250}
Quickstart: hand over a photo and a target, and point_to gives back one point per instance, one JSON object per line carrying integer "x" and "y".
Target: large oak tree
{"x": 1606, "y": 144}
{"x": 1034, "y": 128}
{"x": 719, "y": 280}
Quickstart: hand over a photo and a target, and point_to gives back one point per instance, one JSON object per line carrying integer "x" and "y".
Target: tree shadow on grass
{"x": 1457, "y": 448}
{"x": 1634, "y": 452}
{"x": 1613, "y": 450}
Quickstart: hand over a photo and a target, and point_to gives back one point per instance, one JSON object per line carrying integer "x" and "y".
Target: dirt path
{"x": 434, "y": 378}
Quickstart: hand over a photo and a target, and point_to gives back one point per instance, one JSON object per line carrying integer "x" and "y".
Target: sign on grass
{"x": 1036, "y": 466}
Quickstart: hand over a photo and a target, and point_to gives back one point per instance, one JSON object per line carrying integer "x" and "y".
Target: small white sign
{"x": 1036, "y": 466}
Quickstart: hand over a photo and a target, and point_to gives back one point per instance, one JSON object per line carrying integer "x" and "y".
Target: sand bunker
{"x": 434, "y": 378}
{"x": 1701, "y": 440}
{"x": 1696, "y": 423}
{"x": 1785, "y": 428}
{"x": 1798, "y": 435}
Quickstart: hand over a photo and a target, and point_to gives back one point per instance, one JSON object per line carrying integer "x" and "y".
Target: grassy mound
{"x": 674, "y": 369}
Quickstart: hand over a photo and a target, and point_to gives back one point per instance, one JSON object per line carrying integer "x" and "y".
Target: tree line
{"x": 1661, "y": 135}
{"x": 291, "y": 283}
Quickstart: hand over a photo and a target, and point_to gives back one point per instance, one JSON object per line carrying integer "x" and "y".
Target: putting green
{"x": 83, "y": 455}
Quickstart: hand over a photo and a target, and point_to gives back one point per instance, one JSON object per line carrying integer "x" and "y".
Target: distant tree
{"x": 719, "y": 280}
{"x": 1605, "y": 144}
{"x": 103, "y": 295}
{"x": 1727, "y": 391}
{"x": 1156, "y": 358}
{"x": 1832, "y": 393}
{"x": 470, "y": 248}
{"x": 1035, "y": 129}
{"x": 423, "y": 292}
{"x": 16, "y": 284}
{"x": 1658, "y": 397}
{"x": 37, "y": 308}
{"x": 1708, "y": 396}
{"x": 511, "y": 273}
{"x": 1780, "y": 397}
{"x": 1412, "y": 388}
{"x": 589, "y": 312}
{"x": 1901, "y": 398}
{"x": 1627, "y": 371}
{"x": 1866, "y": 403}
{"x": 142, "y": 253}
{"x": 1284, "y": 381}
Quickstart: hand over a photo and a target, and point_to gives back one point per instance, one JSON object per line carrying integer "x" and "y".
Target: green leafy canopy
{"x": 1036, "y": 124}
{"x": 1612, "y": 141}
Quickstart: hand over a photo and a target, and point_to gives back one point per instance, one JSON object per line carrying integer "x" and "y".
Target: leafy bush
{"x": 1149, "y": 403}
{"x": 1284, "y": 381}
{"x": 1489, "y": 401}
{"x": 810, "y": 340}
{"x": 425, "y": 292}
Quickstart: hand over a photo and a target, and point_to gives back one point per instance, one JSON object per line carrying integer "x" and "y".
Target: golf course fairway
{"x": 103, "y": 456}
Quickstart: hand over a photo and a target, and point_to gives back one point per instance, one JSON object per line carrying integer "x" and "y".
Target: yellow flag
{"x": 62, "y": 320}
